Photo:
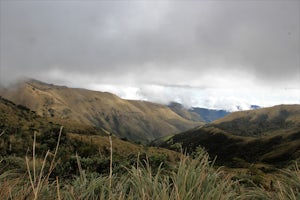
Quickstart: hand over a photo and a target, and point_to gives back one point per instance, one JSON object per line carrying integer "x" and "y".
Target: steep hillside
{"x": 260, "y": 121}
{"x": 14, "y": 117}
{"x": 231, "y": 150}
{"x": 198, "y": 114}
{"x": 19, "y": 118}
{"x": 185, "y": 113}
{"x": 18, "y": 125}
{"x": 272, "y": 137}
{"x": 134, "y": 120}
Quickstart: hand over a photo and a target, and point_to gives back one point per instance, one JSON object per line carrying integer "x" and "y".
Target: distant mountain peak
{"x": 210, "y": 115}
{"x": 254, "y": 107}
{"x": 175, "y": 104}
{"x": 203, "y": 114}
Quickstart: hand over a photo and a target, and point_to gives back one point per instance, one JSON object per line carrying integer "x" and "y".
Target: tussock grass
{"x": 286, "y": 186}
{"x": 192, "y": 178}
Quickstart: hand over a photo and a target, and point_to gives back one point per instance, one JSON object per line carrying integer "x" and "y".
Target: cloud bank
{"x": 158, "y": 51}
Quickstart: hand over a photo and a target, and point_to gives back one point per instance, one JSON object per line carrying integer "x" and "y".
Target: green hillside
{"x": 238, "y": 151}
{"x": 269, "y": 135}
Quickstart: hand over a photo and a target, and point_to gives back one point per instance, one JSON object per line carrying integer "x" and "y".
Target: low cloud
{"x": 147, "y": 47}
{"x": 221, "y": 99}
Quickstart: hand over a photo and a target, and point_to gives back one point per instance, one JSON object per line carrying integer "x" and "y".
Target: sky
{"x": 213, "y": 54}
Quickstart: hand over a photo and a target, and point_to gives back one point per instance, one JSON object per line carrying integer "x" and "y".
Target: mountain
{"x": 254, "y": 107}
{"x": 203, "y": 114}
{"x": 14, "y": 117}
{"x": 267, "y": 135}
{"x": 209, "y": 115}
{"x": 197, "y": 114}
{"x": 185, "y": 113}
{"x": 18, "y": 125}
{"x": 260, "y": 121}
{"x": 134, "y": 120}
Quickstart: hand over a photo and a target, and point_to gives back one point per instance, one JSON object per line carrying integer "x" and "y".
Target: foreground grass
{"x": 191, "y": 178}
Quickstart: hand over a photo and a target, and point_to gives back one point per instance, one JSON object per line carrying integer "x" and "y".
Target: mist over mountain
{"x": 134, "y": 120}
{"x": 210, "y": 115}
{"x": 150, "y": 99}
{"x": 215, "y": 55}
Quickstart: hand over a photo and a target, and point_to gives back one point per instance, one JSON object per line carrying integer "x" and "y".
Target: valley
{"x": 94, "y": 133}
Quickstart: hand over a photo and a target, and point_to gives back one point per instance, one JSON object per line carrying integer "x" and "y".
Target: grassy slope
{"x": 185, "y": 113}
{"x": 135, "y": 120}
{"x": 261, "y": 121}
{"x": 277, "y": 149}
{"x": 188, "y": 179}
{"x": 18, "y": 117}
{"x": 18, "y": 123}
{"x": 197, "y": 114}
{"x": 276, "y": 141}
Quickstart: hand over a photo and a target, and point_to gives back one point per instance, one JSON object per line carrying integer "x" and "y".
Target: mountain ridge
{"x": 134, "y": 120}
{"x": 260, "y": 121}
{"x": 209, "y": 115}
{"x": 242, "y": 138}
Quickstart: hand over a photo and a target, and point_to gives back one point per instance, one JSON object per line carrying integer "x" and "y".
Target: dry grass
{"x": 145, "y": 120}
{"x": 37, "y": 182}
{"x": 190, "y": 179}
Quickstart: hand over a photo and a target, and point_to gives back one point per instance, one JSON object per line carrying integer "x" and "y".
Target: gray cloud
{"x": 196, "y": 43}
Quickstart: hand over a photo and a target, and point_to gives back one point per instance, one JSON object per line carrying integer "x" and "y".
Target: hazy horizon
{"x": 213, "y": 54}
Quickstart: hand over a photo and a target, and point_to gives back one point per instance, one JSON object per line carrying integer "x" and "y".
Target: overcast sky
{"x": 216, "y": 54}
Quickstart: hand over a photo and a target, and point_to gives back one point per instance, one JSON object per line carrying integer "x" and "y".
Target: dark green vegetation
{"x": 191, "y": 178}
{"x": 269, "y": 136}
{"x": 18, "y": 124}
{"x": 236, "y": 151}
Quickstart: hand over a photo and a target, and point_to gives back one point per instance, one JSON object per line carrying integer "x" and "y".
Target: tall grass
{"x": 285, "y": 187}
{"x": 39, "y": 182}
{"x": 189, "y": 179}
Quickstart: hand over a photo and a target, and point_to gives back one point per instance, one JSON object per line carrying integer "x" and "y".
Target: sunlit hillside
{"x": 260, "y": 121}
{"x": 134, "y": 120}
